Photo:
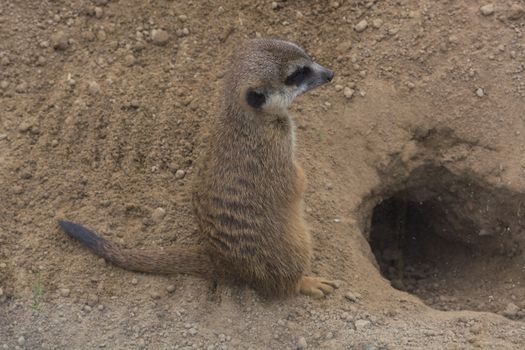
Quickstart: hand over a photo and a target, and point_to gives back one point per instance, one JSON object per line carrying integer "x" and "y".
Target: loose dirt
{"x": 414, "y": 156}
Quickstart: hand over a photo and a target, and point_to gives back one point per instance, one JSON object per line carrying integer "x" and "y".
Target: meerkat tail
{"x": 185, "y": 259}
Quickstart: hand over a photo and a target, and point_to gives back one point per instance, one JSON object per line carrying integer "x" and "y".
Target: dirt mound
{"x": 414, "y": 158}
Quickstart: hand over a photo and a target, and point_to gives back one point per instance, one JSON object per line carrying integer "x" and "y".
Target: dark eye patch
{"x": 255, "y": 99}
{"x": 298, "y": 76}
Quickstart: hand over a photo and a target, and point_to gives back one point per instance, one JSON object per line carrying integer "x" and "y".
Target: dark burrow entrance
{"x": 454, "y": 241}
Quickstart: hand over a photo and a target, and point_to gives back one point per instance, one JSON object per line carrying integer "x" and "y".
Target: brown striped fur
{"x": 248, "y": 192}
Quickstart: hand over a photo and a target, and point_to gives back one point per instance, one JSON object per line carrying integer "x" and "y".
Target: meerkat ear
{"x": 255, "y": 99}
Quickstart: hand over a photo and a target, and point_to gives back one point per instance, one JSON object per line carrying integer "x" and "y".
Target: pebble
{"x": 338, "y": 87}
{"x": 134, "y": 281}
{"x": 87, "y": 308}
{"x": 65, "y": 292}
{"x": 361, "y": 324}
{"x": 516, "y": 12}
{"x": 4, "y": 84}
{"x": 155, "y": 295}
{"x": 487, "y": 10}
{"x": 480, "y": 92}
{"x": 348, "y": 92}
{"x": 361, "y": 26}
{"x": 275, "y": 5}
{"x": 511, "y": 310}
{"x": 159, "y": 37}
{"x": 170, "y": 288}
{"x": 100, "y": 307}
{"x": 99, "y": 12}
{"x": 179, "y": 174}
{"x": 301, "y": 343}
{"x": 21, "y": 88}
{"x": 93, "y": 88}
{"x": 21, "y": 340}
{"x": 3, "y": 136}
{"x": 129, "y": 60}
{"x": 158, "y": 214}
{"x": 59, "y": 40}
{"x": 192, "y": 331}
{"x": 183, "y": 32}
{"x": 351, "y": 297}
{"x": 377, "y": 23}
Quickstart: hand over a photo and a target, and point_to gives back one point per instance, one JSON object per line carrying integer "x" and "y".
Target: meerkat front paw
{"x": 315, "y": 287}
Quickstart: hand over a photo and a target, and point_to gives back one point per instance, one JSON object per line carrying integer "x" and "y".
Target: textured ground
{"x": 104, "y": 107}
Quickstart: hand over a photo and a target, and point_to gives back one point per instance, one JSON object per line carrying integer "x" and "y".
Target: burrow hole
{"x": 454, "y": 241}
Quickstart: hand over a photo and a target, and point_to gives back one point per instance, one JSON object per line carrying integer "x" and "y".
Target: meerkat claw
{"x": 315, "y": 287}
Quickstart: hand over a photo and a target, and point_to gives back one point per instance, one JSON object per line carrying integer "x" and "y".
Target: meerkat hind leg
{"x": 315, "y": 287}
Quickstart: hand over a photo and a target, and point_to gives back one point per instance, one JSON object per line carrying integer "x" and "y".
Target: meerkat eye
{"x": 255, "y": 99}
{"x": 298, "y": 75}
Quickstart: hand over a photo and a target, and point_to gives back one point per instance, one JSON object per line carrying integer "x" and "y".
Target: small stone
{"x": 21, "y": 340}
{"x": 516, "y": 12}
{"x": 453, "y": 39}
{"x": 54, "y": 143}
{"x": 100, "y": 307}
{"x": 21, "y": 88}
{"x": 411, "y": 85}
{"x": 59, "y": 40}
{"x": 92, "y": 300}
{"x": 158, "y": 214}
{"x": 99, "y": 12}
{"x": 155, "y": 295}
{"x": 351, "y": 297}
{"x": 275, "y": 5}
{"x": 184, "y": 18}
{"x": 377, "y": 23}
{"x": 301, "y": 343}
{"x": 93, "y": 88}
{"x": 348, "y": 92}
{"x": 361, "y": 324}
{"x": 476, "y": 329}
{"x": 361, "y": 26}
{"x": 3, "y": 137}
{"x": 129, "y": 60}
{"x": 511, "y": 310}
{"x": 134, "y": 103}
{"x": 5, "y": 61}
{"x": 480, "y": 92}
{"x": 134, "y": 281}
{"x": 159, "y": 37}
{"x": 101, "y": 35}
{"x": 487, "y": 10}
{"x": 192, "y": 331}
{"x": 179, "y": 174}
{"x": 24, "y": 126}
{"x": 65, "y": 292}
{"x": 170, "y": 288}
{"x": 338, "y": 87}
{"x": 4, "y": 84}
{"x": 87, "y": 308}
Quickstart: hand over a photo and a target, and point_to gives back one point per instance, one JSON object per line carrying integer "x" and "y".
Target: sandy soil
{"x": 414, "y": 156}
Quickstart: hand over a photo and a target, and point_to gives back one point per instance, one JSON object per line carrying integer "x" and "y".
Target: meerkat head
{"x": 266, "y": 75}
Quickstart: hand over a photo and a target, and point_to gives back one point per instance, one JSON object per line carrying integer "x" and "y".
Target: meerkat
{"x": 248, "y": 192}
